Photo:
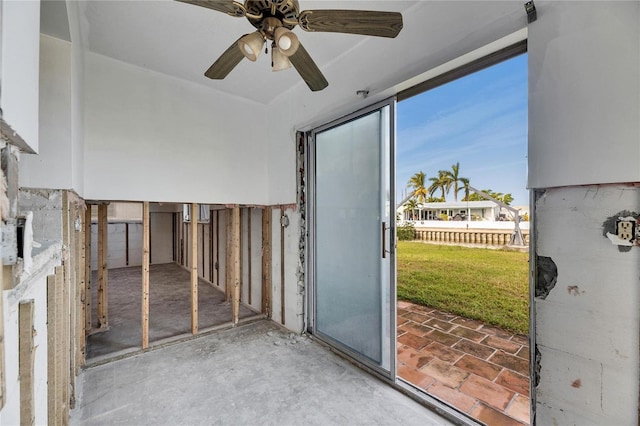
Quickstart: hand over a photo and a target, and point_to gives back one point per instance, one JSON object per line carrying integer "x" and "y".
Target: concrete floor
{"x": 253, "y": 374}
{"x": 169, "y": 308}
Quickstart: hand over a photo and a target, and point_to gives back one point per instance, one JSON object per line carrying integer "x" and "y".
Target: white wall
{"x": 77, "y": 97}
{"x": 20, "y": 28}
{"x": 153, "y": 137}
{"x": 53, "y": 166}
{"x": 588, "y": 327}
{"x": 584, "y": 93}
{"x": 584, "y": 63}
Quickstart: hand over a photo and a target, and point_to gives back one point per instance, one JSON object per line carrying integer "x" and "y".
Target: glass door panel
{"x": 353, "y": 237}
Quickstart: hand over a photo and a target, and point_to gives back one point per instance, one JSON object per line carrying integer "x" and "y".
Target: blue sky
{"x": 479, "y": 120}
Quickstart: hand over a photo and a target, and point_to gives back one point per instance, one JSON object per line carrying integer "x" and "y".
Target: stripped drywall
{"x": 588, "y": 332}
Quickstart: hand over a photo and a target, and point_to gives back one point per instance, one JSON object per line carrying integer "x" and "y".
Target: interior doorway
{"x": 171, "y": 286}
{"x": 463, "y": 274}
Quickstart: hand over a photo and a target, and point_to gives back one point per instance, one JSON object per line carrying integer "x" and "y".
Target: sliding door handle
{"x": 384, "y": 240}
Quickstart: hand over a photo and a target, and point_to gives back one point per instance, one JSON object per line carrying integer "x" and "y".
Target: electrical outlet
{"x": 626, "y": 229}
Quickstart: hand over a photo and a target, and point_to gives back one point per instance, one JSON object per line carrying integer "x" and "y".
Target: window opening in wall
{"x": 463, "y": 289}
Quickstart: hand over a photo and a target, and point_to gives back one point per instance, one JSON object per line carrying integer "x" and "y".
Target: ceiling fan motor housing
{"x": 286, "y": 11}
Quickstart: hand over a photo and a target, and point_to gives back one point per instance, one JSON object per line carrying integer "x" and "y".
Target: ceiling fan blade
{"x": 308, "y": 69}
{"x": 225, "y": 63}
{"x": 229, "y": 7}
{"x": 379, "y": 24}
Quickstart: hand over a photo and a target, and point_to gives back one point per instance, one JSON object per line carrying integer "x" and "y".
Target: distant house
{"x": 459, "y": 210}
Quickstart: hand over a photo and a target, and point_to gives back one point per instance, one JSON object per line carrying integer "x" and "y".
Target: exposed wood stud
{"x": 236, "y": 260}
{"x": 217, "y": 265}
{"x": 87, "y": 270}
{"x": 62, "y": 348}
{"x": 266, "y": 262}
{"x": 203, "y": 252}
{"x": 53, "y": 398}
{"x": 70, "y": 295}
{"x": 126, "y": 243}
{"x": 26, "y": 359}
{"x": 150, "y": 242}
{"x": 80, "y": 289}
{"x": 194, "y": 268}
{"x": 103, "y": 273}
{"x": 241, "y": 254}
{"x": 249, "y": 260}
{"x": 282, "y": 287}
{"x": 174, "y": 237}
{"x": 185, "y": 244}
{"x": 211, "y": 246}
{"x": 145, "y": 274}
{"x": 227, "y": 264}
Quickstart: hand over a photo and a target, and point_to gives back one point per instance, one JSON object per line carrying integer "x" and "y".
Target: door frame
{"x": 310, "y": 266}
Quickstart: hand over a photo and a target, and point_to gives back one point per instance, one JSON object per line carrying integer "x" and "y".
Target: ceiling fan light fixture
{"x": 279, "y": 61}
{"x": 250, "y": 45}
{"x": 286, "y": 41}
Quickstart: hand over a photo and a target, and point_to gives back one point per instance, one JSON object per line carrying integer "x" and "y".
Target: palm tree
{"x": 497, "y": 195}
{"x": 411, "y": 206}
{"x": 453, "y": 177}
{"x": 416, "y": 183}
{"x": 507, "y": 198}
{"x": 465, "y": 188}
{"x": 442, "y": 183}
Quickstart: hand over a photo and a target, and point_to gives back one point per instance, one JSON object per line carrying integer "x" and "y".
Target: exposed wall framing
{"x": 87, "y": 270}
{"x": 266, "y": 261}
{"x": 54, "y": 398}
{"x": 227, "y": 274}
{"x": 103, "y": 272}
{"x": 249, "y": 258}
{"x": 62, "y": 347}
{"x": 194, "y": 268}
{"x": 283, "y": 217}
{"x": 236, "y": 253}
{"x": 26, "y": 361}
{"x": 235, "y": 261}
{"x": 145, "y": 274}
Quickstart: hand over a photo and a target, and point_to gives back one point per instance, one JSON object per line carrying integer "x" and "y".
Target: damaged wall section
{"x": 587, "y": 326}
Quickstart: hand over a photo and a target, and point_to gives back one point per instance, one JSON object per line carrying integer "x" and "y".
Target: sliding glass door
{"x": 352, "y": 236}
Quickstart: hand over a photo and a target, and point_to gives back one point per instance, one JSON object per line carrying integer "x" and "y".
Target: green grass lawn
{"x": 488, "y": 285}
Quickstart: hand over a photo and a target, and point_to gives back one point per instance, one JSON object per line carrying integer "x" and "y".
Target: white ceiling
{"x": 183, "y": 40}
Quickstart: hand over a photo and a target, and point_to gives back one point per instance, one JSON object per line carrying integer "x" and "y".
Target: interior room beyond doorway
{"x": 183, "y": 262}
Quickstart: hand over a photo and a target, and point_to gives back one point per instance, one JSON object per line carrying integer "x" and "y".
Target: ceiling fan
{"x": 274, "y": 20}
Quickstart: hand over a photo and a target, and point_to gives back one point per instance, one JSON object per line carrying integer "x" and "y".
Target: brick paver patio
{"x": 480, "y": 370}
